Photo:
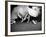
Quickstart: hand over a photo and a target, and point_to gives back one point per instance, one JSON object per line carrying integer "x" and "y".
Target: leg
{"x": 28, "y": 18}
{"x": 23, "y": 19}
{"x": 35, "y": 22}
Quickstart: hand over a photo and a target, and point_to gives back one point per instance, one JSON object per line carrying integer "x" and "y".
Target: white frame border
{"x": 25, "y": 32}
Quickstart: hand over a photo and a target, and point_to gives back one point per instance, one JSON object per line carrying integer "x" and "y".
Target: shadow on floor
{"x": 25, "y": 27}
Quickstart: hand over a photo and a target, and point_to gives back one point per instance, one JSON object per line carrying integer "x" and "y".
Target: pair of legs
{"x": 29, "y": 17}
{"x": 26, "y": 17}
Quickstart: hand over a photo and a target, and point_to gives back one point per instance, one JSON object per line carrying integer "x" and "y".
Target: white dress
{"x": 33, "y": 12}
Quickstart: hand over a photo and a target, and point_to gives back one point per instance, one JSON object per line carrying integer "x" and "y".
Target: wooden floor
{"x": 25, "y": 27}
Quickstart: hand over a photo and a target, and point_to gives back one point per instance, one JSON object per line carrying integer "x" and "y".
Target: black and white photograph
{"x": 25, "y": 18}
